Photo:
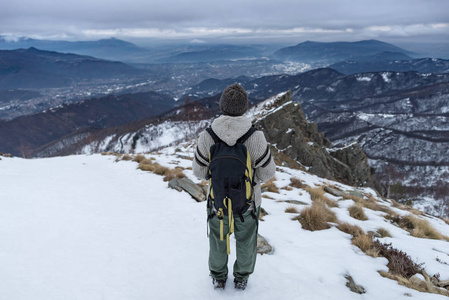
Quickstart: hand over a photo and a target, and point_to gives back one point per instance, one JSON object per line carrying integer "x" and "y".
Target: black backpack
{"x": 230, "y": 180}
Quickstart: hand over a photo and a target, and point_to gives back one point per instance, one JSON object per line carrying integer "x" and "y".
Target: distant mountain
{"x": 111, "y": 49}
{"x": 421, "y": 65}
{"x": 215, "y": 53}
{"x": 264, "y": 87}
{"x": 21, "y": 136}
{"x": 33, "y": 68}
{"x": 336, "y": 51}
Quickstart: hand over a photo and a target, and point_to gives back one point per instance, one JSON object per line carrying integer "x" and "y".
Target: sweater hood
{"x": 229, "y": 129}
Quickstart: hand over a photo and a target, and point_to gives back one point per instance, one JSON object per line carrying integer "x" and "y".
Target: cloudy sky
{"x": 228, "y": 21}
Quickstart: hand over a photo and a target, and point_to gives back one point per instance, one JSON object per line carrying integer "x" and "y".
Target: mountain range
{"x": 111, "y": 49}
{"x": 34, "y": 68}
{"x": 336, "y": 51}
{"x": 309, "y": 52}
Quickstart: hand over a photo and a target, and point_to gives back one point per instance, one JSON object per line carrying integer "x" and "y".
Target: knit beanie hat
{"x": 234, "y": 100}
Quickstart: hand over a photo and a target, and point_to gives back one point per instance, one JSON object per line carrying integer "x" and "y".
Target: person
{"x": 230, "y": 127}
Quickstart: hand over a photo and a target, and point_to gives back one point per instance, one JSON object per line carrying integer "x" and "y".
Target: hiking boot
{"x": 240, "y": 285}
{"x": 219, "y": 283}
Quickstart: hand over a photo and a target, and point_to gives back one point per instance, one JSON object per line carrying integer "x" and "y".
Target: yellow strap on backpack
{"x": 220, "y": 217}
{"x": 228, "y": 205}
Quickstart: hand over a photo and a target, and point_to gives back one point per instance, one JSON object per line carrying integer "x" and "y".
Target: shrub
{"x": 292, "y": 209}
{"x": 356, "y": 211}
{"x": 317, "y": 195}
{"x": 399, "y": 262}
{"x": 316, "y": 217}
{"x": 270, "y": 186}
{"x": 297, "y": 183}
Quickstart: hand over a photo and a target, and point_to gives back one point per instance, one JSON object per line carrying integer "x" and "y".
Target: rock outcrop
{"x": 288, "y": 131}
{"x": 189, "y": 186}
{"x": 263, "y": 247}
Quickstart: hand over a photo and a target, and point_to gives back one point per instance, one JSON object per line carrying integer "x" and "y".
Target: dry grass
{"x": 356, "y": 211}
{"x": 382, "y": 232}
{"x": 317, "y": 195}
{"x": 138, "y": 158}
{"x": 292, "y": 209}
{"x": 174, "y": 173}
{"x": 423, "y": 229}
{"x": 126, "y": 157}
{"x": 406, "y": 207}
{"x": 297, "y": 183}
{"x": 6, "y": 155}
{"x": 316, "y": 217}
{"x": 270, "y": 186}
{"x": 366, "y": 244}
{"x": 422, "y": 287}
{"x": 417, "y": 227}
{"x": 354, "y": 198}
{"x": 360, "y": 238}
{"x": 263, "y": 213}
{"x": 110, "y": 153}
{"x": 169, "y": 174}
{"x": 353, "y": 230}
{"x": 370, "y": 202}
{"x": 203, "y": 183}
{"x": 287, "y": 188}
{"x": 446, "y": 220}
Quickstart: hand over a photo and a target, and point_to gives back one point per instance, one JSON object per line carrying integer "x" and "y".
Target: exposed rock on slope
{"x": 288, "y": 131}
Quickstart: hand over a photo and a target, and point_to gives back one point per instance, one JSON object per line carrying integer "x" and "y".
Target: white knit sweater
{"x": 229, "y": 130}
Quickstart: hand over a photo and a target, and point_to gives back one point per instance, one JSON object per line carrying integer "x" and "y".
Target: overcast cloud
{"x": 230, "y": 20}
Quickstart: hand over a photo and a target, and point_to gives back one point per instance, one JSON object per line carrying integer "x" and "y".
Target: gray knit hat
{"x": 234, "y": 100}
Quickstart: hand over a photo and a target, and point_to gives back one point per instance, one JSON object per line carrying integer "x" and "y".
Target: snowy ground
{"x": 86, "y": 227}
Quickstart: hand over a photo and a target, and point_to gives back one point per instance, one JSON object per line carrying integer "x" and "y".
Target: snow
{"x": 363, "y": 78}
{"x": 385, "y": 76}
{"x": 87, "y": 227}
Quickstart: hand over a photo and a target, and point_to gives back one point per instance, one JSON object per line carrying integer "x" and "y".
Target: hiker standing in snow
{"x": 236, "y": 159}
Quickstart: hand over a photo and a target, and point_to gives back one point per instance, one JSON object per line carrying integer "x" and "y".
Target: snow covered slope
{"x": 91, "y": 227}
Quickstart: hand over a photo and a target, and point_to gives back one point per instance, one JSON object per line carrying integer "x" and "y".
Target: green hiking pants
{"x": 246, "y": 246}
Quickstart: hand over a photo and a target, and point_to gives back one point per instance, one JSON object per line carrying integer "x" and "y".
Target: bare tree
{"x": 442, "y": 195}
{"x": 388, "y": 176}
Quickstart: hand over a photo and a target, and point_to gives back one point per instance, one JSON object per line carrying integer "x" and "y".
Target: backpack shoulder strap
{"x": 246, "y": 135}
{"x": 213, "y": 135}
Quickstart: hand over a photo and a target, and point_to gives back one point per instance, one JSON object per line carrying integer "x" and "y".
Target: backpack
{"x": 231, "y": 180}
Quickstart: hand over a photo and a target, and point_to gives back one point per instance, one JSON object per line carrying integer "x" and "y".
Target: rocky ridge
{"x": 289, "y": 133}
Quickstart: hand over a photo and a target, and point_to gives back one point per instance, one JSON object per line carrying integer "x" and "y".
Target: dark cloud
{"x": 231, "y": 19}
